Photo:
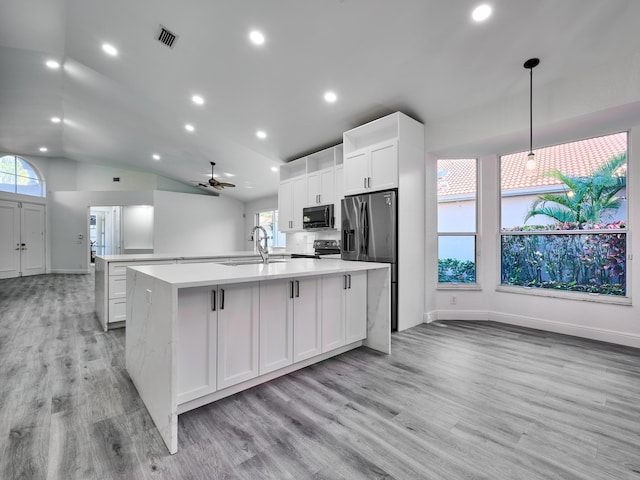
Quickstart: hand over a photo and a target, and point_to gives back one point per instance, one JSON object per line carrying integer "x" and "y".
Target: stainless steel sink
{"x": 253, "y": 261}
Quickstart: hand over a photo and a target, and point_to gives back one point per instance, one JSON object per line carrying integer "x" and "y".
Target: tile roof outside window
{"x": 579, "y": 158}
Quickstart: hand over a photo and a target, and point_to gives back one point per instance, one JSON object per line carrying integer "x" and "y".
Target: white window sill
{"x": 565, "y": 295}
{"x": 458, "y": 286}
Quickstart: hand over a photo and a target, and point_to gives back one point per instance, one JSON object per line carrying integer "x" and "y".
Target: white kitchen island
{"x": 199, "y": 332}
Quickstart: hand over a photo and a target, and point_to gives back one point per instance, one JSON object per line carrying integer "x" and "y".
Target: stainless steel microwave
{"x": 319, "y": 217}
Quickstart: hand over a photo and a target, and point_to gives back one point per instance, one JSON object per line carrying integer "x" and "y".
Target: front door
{"x": 22, "y": 239}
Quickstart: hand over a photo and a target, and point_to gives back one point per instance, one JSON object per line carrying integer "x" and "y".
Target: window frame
{"x": 565, "y": 294}
{"x": 475, "y": 235}
{"x": 275, "y": 230}
{"x": 38, "y": 177}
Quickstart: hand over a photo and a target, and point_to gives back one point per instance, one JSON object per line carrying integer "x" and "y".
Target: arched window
{"x": 19, "y": 176}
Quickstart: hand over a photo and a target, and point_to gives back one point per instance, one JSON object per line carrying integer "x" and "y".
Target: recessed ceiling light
{"x": 274, "y": 169}
{"x": 330, "y": 97}
{"x": 256, "y": 37}
{"x": 43, "y": 149}
{"x": 56, "y": 119}
{"x": 110, "y": 49}
{"x": 197, "y": 99}
{"x": 261, "y": 134}
{"x": 189, "y": 128}
{"x": 52, "y": 64}
{"x": 481, "y": 12}
{"x": 248, "y": 186}
{"x": 155, "y": 156}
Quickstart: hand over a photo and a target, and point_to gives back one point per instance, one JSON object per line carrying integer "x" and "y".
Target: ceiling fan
{"x": 218, "y": 185}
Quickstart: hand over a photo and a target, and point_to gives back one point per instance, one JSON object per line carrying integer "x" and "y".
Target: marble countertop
{"x": 202, "y": 274}
{"x": 135, "y": 257}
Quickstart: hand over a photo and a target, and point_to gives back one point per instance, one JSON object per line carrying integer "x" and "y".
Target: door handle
{"x": 365, "y": 182}
{"x": 344, "y": 277}
{"x": 369, "y": 182}
{"x": 291, "y": 289}
{"x": 214, "y": 294}
{"x": 349, "y": 281}
{"x": 297, "y": 288}
{"x": 222, "y": 299}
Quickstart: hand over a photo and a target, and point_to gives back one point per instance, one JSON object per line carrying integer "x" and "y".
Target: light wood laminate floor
{"x": 458, "y": 400}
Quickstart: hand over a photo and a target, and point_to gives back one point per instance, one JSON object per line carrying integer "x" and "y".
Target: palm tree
{"x": 587, "y": 198}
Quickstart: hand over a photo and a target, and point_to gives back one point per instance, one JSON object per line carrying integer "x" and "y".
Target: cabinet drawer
{"x": 117, "y": 310}
{"x": 120, "y": 268}
{"x": 118, "y": 286}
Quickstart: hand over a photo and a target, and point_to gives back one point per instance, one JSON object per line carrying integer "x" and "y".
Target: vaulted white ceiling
{"x": 423, "y": 57}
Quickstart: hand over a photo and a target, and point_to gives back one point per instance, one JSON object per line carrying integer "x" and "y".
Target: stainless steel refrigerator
{"x": 370, "y": 234}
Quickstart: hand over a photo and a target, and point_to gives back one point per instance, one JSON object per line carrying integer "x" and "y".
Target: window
{"x": 564, "y": 217}
{"x": 269, "y": 221}
{"x": 18, "y": 176}
{"x": 457, "y": 225}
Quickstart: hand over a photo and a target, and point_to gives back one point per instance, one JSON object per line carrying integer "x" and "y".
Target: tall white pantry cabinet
{"x": 384, "y": 154}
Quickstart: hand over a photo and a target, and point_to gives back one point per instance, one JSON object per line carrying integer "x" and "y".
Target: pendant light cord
{"x": 531, "y": 110}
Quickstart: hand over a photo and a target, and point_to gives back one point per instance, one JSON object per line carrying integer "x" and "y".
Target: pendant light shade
{"x": 531, "y": 164}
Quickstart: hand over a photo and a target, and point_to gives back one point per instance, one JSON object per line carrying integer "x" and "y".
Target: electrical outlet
{"x": 453, "y": 300}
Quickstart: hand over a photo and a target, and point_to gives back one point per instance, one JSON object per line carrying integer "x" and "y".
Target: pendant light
{"x": 531, "y": 164}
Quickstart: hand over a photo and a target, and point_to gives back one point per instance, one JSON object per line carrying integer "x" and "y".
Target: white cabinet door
{"x": 276, "y": 325}
{"x": 299, "y": 199}
{"x": 383, "y": 166}
{"x": 285, "y": 194}
{"x": 314, "y": 187}
{"x": 197, "y": 331}
{"x": 332, "y": 298}
{"x": 356, "y": 172}
{"x": 356, "y": 307}
{"x": 238, "y": 308}
{"x": 307, "y": 327}
{"x": 327, "y": 186}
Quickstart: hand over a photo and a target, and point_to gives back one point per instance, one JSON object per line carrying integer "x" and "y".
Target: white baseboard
{"x": 64, "y": 270}
{"x": 627, "y": 339}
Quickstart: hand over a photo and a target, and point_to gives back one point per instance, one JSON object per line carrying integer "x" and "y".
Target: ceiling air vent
{"x": 166, "y": 37}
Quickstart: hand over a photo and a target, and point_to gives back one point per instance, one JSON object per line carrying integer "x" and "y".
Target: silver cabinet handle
{"x": 222, "y": 299}
{"x": 344, "y": 277}
{"x": 365, "y": 182}
{"x": 214, "y": 294}
{"x": 297, "y": 288}
{"x": 291, "y": 289}
{"x": 349, "y": 281}
{"x": 369, "y": 182}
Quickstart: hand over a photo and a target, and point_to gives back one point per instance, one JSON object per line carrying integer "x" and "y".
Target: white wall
{"x": 195, "y": 224}
{"x": 69, "y": 213}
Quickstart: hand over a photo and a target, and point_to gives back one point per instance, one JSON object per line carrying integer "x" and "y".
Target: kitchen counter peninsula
{"x": 111, "y": 277}
{"x": 200, "y": 332}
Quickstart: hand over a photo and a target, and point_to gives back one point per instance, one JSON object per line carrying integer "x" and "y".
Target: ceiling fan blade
{"x": 218, "y": 186}
{"x": 225, "y": 184}
{"x": 202, "y": 185}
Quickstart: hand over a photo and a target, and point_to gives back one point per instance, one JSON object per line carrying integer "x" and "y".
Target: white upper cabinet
{"x": 306, "y": 182}
{"x": 321, "y": 187}
{"x": 372, "y": 168}
{"x": 291, "y": 200}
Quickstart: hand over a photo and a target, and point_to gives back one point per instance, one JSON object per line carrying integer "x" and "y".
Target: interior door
{"x": 32, "y": 258}
{"x": 9, "y": 239}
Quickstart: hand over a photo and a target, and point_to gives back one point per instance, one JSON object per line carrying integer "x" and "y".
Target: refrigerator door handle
{"x": 365, "y": 229}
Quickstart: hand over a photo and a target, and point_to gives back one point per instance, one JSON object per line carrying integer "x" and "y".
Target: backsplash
{"x": 302, "y": 242}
